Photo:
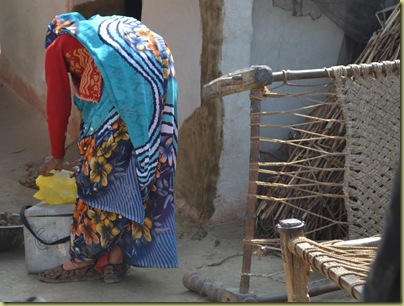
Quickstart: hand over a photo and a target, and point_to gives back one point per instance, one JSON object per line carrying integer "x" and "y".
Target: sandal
{"x": 60, "y": 275}
{"x": 114, "y": 273}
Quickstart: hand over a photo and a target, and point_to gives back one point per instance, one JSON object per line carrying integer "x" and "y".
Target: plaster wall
{"x": 22, "y": 32}
{"x": 23, "y": 25}
{"x": 283, "y": 41}
{"x": 287, "y": 42}
{"x": 179, "y": 24}
{"x": 292, "y": 43}
{"x": 233, "y": 166}
{"x": 201, "y": 134}
{"x": 259, "y": 34}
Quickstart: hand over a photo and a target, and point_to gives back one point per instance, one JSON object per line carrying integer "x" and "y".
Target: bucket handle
{"x": 28, "y": 226}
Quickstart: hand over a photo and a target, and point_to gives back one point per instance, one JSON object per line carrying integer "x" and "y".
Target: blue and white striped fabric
{"x": 139, "y": 77}
{"x": 129, "y": 138}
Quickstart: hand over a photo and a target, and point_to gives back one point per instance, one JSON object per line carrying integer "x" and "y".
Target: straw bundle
{"x": 309, "y": 186}
{"x": 385, "y": 43}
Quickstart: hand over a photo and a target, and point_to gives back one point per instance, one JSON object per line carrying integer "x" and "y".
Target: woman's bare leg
{"x": 115, "y": 256}
{"x": 68, "y": 265}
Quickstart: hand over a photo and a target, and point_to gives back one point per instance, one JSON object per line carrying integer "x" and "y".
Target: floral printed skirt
{"x": 112, "y": 210}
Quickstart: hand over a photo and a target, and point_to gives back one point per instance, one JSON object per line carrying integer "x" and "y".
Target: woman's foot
{"x": 115, "y": 256}
{"x": 61, "y": 275}
{"x": 114, "y": 273}
{"x": 115, "y": 270}
{"x": 111, "y": 266}
{"x": 68, "y": 265}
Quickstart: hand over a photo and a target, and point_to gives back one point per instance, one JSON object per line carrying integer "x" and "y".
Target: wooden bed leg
{"x": 296, "y": 269}
{"x": 256, "y": 95}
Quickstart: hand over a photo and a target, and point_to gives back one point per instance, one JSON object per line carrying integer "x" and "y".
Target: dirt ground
{"x": 214, "y": 252}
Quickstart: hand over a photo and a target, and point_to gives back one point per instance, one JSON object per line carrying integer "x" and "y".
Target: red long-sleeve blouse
{"x": 67, "y": 55}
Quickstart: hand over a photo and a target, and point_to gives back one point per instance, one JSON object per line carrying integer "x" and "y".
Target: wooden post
{"x": 296, "y": 269}
{"x": 254, "y": 78}
{"x": 256, "y": 95}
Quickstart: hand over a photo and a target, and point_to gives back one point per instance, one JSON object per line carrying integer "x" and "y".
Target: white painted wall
{"x": 232, "y": 183}
{"x": 282, "y": 41}
{"x": 286, "y": 42}
{"x": 23, "y": 26}
{"x": 179, "y": 22}
{"x": 256, "y": 33}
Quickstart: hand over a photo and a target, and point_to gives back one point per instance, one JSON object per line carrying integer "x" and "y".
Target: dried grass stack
{"x": 385, "y": 43}
{"x": 310, "y": 184}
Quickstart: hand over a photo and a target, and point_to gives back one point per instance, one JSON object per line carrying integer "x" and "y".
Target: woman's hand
{"x": 72, "y": 166}
{"x": 50, "y": 164}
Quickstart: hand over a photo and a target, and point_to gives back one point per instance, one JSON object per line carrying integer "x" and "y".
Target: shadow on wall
{"x": 132, "y": 8}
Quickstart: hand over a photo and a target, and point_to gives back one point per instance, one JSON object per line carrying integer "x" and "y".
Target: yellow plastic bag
{"x": 59, "y": 188}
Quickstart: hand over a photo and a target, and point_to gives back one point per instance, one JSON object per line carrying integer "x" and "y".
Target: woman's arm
{"x": 58, "y": 99}
{"x": 58, "y": 103}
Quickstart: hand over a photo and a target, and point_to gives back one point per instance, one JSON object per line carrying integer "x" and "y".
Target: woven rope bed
{"x": 340, "y": 170}
{"x": 335, "y": 168}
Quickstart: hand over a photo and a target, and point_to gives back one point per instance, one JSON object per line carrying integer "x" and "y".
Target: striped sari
{"x": 128, "y": 144}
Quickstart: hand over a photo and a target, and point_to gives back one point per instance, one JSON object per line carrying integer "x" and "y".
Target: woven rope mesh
{"x": 371, "y": 109}
{"x": 335, "y": 168}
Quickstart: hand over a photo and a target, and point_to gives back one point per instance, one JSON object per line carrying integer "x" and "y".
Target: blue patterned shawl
{"x": 139, "y": 79}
